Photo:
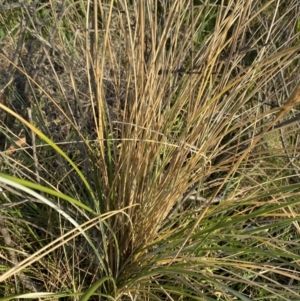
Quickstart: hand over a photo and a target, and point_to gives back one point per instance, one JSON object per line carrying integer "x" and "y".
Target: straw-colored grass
{"x": 141, "y": 156}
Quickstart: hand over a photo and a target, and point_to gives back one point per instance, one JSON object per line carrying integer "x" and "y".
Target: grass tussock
{"x": 141, "y": 158}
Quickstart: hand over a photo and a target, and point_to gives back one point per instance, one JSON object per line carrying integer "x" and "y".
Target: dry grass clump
{"x": 148, "y": 170}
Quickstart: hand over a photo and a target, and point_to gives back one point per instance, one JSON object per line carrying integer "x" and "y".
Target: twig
{"x": 35, "y": 158}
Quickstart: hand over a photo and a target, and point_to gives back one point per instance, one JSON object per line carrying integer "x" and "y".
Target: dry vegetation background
{"x": 140, "y": 155}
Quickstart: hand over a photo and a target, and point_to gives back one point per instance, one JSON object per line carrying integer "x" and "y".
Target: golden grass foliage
{"x": 146, "y": 126}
